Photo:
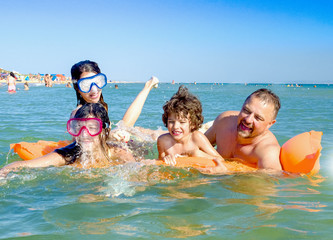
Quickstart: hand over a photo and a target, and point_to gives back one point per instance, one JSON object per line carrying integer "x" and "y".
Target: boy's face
{"x": 178, "y": 127}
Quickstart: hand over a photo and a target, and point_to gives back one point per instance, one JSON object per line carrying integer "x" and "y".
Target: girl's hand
{"x": 121, "y": 135}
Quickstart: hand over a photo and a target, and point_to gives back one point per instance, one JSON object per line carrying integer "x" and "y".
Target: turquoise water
{"x": 133, "y": 201}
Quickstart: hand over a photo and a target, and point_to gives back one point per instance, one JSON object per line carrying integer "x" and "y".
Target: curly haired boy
{"x": 183, "y": 117}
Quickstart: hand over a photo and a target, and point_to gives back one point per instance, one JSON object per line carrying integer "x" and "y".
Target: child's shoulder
{"x": 164, "y": 137}
{"x": 165, "y": 141}
{"x": 198, "y": 135}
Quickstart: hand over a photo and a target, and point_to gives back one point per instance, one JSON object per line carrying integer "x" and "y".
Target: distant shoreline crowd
{"x": 47, "y": 79}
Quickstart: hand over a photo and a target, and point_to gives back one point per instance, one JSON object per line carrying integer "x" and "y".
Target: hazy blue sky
{"x": 186, "y": 40}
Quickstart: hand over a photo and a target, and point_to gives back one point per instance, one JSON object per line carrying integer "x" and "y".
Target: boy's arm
{"x": 160, "y": 147}
{"x": 163, "y": 143}
{"x": 204, "y": 145}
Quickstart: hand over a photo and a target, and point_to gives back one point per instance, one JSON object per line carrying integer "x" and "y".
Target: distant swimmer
{"x": 11, "y": 82}
{"x": 26, "y": 86}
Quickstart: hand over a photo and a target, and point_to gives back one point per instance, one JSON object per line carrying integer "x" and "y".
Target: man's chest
{"x": 246, "y": 153}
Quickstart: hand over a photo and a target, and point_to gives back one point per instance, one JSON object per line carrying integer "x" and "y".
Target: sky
{"x": 226, "y": 41}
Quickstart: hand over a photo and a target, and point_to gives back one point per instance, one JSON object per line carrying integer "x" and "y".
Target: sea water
{"x": 149, "y": 202}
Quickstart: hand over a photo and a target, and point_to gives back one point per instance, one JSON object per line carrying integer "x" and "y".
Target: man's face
{"x": 255, "y": 118}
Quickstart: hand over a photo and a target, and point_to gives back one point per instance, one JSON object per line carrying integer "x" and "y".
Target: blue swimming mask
{"x": 85, "y": 84}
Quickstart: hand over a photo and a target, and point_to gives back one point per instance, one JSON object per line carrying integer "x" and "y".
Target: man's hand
{"x": 219, "y": 169}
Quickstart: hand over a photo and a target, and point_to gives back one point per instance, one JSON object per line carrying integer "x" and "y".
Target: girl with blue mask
{"x": 88, "y": 82}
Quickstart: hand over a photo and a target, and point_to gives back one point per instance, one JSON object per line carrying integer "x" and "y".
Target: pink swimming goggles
{"x": 93, "y": 126}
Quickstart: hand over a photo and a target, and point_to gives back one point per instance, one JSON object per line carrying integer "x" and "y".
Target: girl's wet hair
{"x": 70, "y": 153}
{"x": 73, "y": 151}
{"x": 96, "y": 110}
{"x": 76, "y": 71}
{"x": 186, "y": 105}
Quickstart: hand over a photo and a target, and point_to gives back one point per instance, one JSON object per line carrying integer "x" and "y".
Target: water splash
{"x": 87, "y": 157}
{"x": 121, "y": 181}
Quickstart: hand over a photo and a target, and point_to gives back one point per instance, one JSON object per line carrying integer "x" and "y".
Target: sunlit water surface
{"x": 151, "y": 202}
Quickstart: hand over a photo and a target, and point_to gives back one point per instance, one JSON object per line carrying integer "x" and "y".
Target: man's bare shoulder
{"x": 268, "y": 157}
{"x": 268, "y": 152}
{"x": 223, "y": 121}
{"x": 269, "y": 139}
{"x": 227, "y": 116}
{"x": 268, "y": 143}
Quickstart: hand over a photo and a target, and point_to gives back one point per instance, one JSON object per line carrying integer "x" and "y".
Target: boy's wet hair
{"x": 185, "y": 105}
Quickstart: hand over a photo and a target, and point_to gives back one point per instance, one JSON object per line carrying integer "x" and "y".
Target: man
{"x": 246, "y": 135}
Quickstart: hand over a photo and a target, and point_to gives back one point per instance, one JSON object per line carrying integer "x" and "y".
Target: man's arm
{"x": 268, "y": 156}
